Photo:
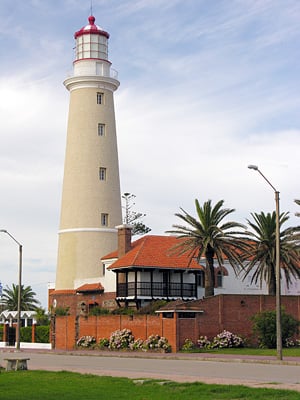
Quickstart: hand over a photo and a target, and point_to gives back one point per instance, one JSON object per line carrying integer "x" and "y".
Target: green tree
{"x": 28, "y": 300}
{"x": 41, "y": 317}
{"x": 132, "y": 217}
{"x": 210, "y": 236}
{"x": 260, "y": 256}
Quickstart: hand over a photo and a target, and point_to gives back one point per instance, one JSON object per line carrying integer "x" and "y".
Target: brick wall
{"x": 233, "y": 313}
{"x": 72, "y": 300}
{"x": 63, "y": 337}
{"x": 230, "y": 312}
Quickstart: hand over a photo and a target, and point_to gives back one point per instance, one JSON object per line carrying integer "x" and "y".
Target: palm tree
{"x": 41, "y": 316}
{"x": 297, "y": 202}
{"x": 211, "y": 237}
{"x": 261, "y": 254}
{"x": 28, "y": 301}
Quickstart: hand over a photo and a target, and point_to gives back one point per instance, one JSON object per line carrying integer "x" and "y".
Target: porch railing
{"x": 155, "y": 289}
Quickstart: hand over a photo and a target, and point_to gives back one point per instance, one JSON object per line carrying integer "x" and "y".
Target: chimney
{"x": 124, "y": 239}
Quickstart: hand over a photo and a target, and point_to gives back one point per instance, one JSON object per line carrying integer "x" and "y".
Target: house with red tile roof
{"x": 149, "y": 269}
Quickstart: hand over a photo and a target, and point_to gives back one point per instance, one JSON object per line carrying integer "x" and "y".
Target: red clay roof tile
{"x": 153, "y": 252}
{"x": 90, "y": 287}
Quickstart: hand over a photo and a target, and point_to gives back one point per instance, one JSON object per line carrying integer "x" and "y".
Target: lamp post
{"x": 277, "y": 267}
{"x": 19, "y": 289}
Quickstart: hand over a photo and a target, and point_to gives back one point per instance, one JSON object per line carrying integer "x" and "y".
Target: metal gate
{"x": 11, "y": 335}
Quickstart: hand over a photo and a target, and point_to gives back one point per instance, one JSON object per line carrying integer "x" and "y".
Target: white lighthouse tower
{"x": 91, "y": 201}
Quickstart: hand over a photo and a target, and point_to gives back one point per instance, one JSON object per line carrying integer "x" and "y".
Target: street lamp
{"x": 277, "y": 267}
{"x": 19, "y": 289}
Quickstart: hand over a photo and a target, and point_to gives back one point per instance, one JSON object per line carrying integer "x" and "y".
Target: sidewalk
{"x": 218, "y": 357}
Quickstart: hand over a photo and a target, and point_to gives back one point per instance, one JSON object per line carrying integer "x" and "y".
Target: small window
{"x": 101, "y": 130}
{"x": 102, "y": 174}
{"x": 168, "y": 315}
{"x": 200, "y": 279}
{"x": 219, "y": 279}
{"x": 186, "y": 315}
{"x": 104, "y": 219}
{"x": 100, "y": 98}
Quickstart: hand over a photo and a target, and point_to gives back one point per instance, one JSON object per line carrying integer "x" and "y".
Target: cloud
{"x": 206, "y": 89}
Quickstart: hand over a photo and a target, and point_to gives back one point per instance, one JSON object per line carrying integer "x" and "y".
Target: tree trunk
{"x": 209, "y": 279}
{"x": 272, "y": 282}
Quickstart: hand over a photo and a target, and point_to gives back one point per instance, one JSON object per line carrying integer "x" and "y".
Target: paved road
{"x": 170, "y": 368}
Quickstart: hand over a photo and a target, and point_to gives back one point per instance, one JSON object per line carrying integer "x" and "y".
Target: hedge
{"x": 42, "y": 334}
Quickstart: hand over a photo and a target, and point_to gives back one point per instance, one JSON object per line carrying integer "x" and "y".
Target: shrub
{"x": 188, "y": 345}
{"x": 226, "y": 339}
{"x": 98, "y": 311}
{"x": 120, "y": 339}
{"x": 264, "y": 326}
{"x": 86, "y": 341}
{"x": 103, "y": 343}
{"x": 136, "y": 345}
{"x": 123, "y": 339}
{"x": 42, "y": 334}
{"x": 155, "y": 342}
{"x": 203, "y": 342}
{"x": 289, "y": 343}
{"x": 26, "y": 334}
{"x": 123, "y": 311}
{"x": 62, "y": 311}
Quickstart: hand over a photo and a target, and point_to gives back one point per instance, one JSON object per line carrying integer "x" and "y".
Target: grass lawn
{"x": 289, "y": 352}
{"x": 37, "y": 385}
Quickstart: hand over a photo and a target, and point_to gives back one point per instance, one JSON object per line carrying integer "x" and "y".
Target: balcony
{"x": 109, "y": 73}
{"x": 156, "y": 290}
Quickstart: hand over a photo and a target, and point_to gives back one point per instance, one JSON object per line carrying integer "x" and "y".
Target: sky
{"x": 206, "y": 88}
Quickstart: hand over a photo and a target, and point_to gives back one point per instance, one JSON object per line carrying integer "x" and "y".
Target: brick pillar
{"x": 124, "y": 239}
{"x": 124, "y": 245}
{"x": 5, "y": 333}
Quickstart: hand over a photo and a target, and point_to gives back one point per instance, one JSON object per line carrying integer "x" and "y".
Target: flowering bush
{"x": 188, "y": 345}
{"x": 203, "y": 342}
{"x": 155, "y": 342}
{"x": 103, "y": 343}
{"x": 120, "y": 339}
{"x": 123, "y": 339}
{"x": 226, "y": 339}
{"x": 136, "y": 345}
{"x": 86, "y": 341}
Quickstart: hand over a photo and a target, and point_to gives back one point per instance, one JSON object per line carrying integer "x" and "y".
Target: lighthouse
{"x": 91, "y": 201}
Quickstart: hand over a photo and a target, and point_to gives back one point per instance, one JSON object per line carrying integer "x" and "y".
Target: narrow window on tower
{"x": 104, "y": 219}
{"x": 101, "y": 130}
{"x": 102, "y": 174}
{"x": 100, "y": 98}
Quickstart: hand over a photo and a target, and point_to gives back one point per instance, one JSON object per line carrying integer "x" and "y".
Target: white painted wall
{"x": 231, "y": 283}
